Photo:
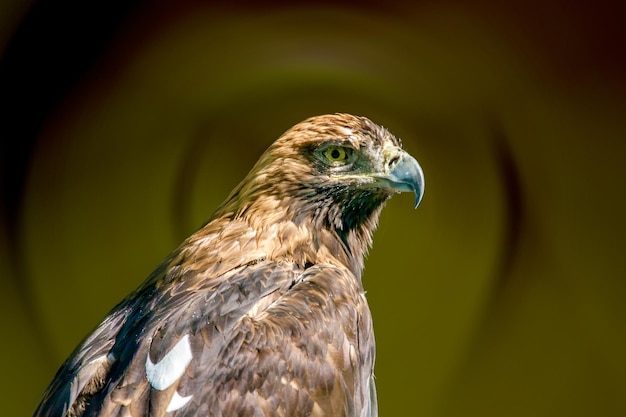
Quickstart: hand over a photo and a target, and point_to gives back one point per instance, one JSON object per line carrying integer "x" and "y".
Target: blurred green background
{"x": 125, "y": 123}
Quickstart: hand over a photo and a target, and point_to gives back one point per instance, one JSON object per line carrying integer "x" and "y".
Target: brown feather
{"x": 267, "y": 294}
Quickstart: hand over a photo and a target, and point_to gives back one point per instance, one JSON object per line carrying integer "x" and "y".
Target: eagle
{"x": 261, "y": 312}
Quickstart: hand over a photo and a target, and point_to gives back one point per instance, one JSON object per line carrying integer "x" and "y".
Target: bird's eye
{"x": 337, "y": 153}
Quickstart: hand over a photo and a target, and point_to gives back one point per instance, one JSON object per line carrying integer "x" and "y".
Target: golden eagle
{"x": 261, "y": 312}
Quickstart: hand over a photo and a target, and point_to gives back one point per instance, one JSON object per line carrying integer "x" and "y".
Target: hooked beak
{"x": 403, "y": 174}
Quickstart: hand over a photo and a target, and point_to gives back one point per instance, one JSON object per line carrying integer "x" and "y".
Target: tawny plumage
{"x": 261, "y": 312}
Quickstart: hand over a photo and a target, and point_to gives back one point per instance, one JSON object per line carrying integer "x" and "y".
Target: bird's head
{"x": 331, "y": 172}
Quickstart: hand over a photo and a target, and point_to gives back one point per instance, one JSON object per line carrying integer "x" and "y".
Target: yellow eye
{"x": 337, "y": 153}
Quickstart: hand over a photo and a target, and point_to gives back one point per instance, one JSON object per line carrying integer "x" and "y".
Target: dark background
{"x": 125, "y": 123}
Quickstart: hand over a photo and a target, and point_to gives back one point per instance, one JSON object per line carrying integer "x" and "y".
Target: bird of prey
{"x": 261, "y": 312}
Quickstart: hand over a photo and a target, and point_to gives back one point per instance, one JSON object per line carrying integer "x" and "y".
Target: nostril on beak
{"x": 393, "y": 161}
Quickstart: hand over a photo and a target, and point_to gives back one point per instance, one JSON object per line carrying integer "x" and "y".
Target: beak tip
{"x": 418, "y": 184}
{"x": 418, "y": 196}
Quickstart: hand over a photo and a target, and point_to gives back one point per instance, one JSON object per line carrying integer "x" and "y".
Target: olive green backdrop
{"x": 503, "y": 294}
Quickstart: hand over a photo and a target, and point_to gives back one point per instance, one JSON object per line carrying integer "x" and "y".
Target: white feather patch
{"x": 168, "y": 370}
{"x": 177, "y": 402}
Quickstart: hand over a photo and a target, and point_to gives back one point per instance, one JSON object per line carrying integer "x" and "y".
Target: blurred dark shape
{"x": 56, "y": 43}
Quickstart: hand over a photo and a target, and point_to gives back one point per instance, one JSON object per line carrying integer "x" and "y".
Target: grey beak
{"x": 405, "y": 175}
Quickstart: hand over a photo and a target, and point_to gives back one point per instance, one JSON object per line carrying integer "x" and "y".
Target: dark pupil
{"x": 335, "y": 154}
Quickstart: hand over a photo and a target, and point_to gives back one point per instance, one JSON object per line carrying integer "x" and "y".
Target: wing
{"x": 86, "y": 370}
{"x": 309, "y": 353}
{"x": 265, "y": 339}
{"x": 83, "y": 371}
